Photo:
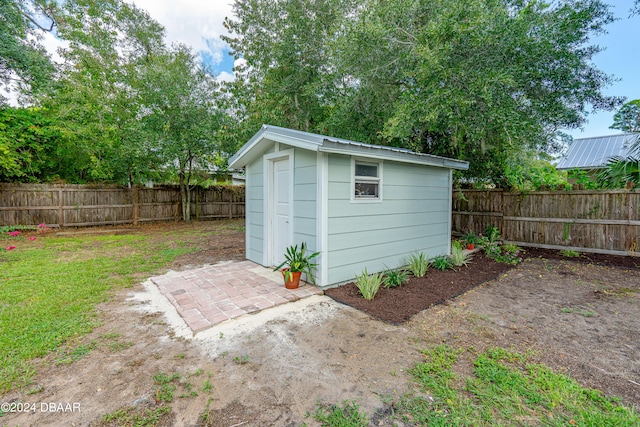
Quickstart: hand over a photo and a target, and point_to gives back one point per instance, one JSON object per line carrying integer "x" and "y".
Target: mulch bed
{"x": 398, "y": 305}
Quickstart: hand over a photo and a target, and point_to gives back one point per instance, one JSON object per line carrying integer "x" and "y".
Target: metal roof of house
{"x": 590, "y": 153}
{"x": 315, "y": 142}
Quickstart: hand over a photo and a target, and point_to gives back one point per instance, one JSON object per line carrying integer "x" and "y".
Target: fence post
{"x": 60, "y": 207}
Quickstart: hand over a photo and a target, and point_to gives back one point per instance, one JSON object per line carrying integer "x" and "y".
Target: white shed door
{"x": 281, "y": 228}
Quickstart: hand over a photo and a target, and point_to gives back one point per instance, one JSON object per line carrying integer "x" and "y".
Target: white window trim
{"x": 355, "y": 199}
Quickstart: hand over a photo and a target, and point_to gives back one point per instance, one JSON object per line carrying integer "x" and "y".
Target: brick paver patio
{"x": 213, "y": 294}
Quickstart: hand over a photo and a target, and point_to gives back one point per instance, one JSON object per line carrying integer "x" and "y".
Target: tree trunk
{"x": 186, "y": 199}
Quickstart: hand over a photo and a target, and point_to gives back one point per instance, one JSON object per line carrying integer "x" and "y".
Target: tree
{"x": 97, "y": 93}
{"x": 182, "y": 116}
{"x": 484, "y": 81}
{"x": 627, "y": 119}
{"x": 24, "y": 62}
{"x": 290, "y": 74}
{"x": 28, "y": 144}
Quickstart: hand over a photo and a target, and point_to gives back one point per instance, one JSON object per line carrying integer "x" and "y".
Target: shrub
{"x": 441, "y": 262}
{"x": 508, "y": 254}
{"x": 459, "y": 257}
{"x": 456, "y": 244}
{"x": 569, "y": 253}
{"x": 368, "y": 285}
{"x": 418, "y": 264}
{"x": 394, "y": 278}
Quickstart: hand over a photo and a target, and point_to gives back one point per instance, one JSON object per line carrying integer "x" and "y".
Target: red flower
{"x": 31, "y": 238}
{"x": 14, "y": 233}
{"x": 9, "y": 248}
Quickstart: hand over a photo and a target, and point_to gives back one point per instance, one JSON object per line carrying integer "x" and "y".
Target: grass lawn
{"x": 50, "y": 286}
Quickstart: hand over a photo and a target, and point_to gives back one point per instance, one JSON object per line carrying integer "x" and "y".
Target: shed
{"x": 359, "y": 205}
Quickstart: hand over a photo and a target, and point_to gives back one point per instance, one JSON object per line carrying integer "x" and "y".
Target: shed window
{"x": 367, "y": 180}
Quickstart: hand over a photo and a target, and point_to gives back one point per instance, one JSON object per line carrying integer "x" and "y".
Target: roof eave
{"x": 380, "y": 153}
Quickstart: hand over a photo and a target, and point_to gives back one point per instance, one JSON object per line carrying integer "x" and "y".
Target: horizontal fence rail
{"x": 588, "y": 221}
{"x": 89, "y": 205}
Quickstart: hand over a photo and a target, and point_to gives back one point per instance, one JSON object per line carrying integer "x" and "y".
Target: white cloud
{"x": 225, "y": 77}
{"x": 196, "y": 23}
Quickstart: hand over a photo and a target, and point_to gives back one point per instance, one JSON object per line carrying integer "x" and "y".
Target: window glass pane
{"x": 366, "y": 170}
{"x": 366, "y": 189}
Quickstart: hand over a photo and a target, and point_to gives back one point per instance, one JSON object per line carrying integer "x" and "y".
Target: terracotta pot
{"x": 294, "y": 279}
{"x": 470, "y": 246}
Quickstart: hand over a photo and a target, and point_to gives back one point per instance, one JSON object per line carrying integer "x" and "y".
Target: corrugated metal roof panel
{"x": 587, "y": 153}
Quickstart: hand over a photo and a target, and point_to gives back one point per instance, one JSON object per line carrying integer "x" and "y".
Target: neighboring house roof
{"x": 593, "y": 153}
{"x": 327, "y": 144}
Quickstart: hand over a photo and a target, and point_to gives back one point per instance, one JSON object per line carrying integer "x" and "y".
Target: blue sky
{"x": 620, "y": 58}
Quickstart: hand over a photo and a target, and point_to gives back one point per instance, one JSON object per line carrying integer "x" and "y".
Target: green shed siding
{"x": 255, "y": 212}
{"x": 412, "y": 216}
{"x": 305, "y": 207}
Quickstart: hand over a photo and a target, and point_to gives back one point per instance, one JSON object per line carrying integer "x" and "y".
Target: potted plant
{"x": 297, "y": 262}
{"x": 471, "y": 240}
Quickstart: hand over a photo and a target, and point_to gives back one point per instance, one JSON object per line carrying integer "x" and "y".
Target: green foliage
{"x": 346, "y": 415}
{"x": 298, "y": 261}
{"x": 368, "y": 285}
{"x": 24, "y": 62}
{"x": 492, "y": 234}
{"x": 131, "y": 416}
{"x": 418, "y": 264}
{"x": 619, "y": 171}
{"x": 459, "y": 257}
{"x": 627, "y": 118}
{"x": 534, "y": 174}
{"x": 569, "y": 253}
{"x": 503, "y": 386}
{"x": 507, "y": 254}
{"x": 32, "y": 147}
{"x": 166, "y": 386}
{"x": 471, "y": 238}
{"x": 466, "y": 79}
{"x": 588, "y": 181}
{"x": 395, "y": 278}
{"x": 441, "y": 262}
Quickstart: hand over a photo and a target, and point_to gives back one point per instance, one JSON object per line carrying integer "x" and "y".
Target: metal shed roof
{"x": 589, "y": 153}
{"x": 328, "y": 144}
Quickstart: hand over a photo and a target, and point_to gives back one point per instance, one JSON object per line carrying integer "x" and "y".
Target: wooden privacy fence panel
{"x": 597, "y": 221}
{"x": 87, "y": 205}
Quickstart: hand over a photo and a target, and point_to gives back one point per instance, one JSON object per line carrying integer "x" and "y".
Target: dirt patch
{"x": 578, "y": 317}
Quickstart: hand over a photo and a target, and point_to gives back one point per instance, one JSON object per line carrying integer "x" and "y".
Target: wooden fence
{"x": 587, "y": 221}
{"x": 89, "y": 205}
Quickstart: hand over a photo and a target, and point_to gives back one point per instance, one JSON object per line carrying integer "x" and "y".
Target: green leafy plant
{"x": 456, "y": 244}
{"x": 569, "y": 253}
{"x": 507, "y": 254}
{"x": 492, "y": 233}
{"x": 395, "y": 278}
{"x": 418, "y": 264}
{"x": 459, "y": 257}
{"x": 298, "y": 260}
{"x": 441, "y": 262}
{"x": 347, "y": 415}
{"x": 471, "y": 238}
{"x": 368, "y": 285}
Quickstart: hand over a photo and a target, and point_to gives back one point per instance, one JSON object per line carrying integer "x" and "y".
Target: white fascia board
{"x": 268, "y": 135}
{"x": 382, "y": 154}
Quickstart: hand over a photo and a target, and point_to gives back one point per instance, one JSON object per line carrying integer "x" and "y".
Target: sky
{"x": 199, "y": 24}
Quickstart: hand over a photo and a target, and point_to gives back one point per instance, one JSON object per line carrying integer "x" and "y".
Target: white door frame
{"x": 269, "y": 209}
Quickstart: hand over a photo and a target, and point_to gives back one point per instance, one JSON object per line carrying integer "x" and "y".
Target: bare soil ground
{"x": 578, "y": 317}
